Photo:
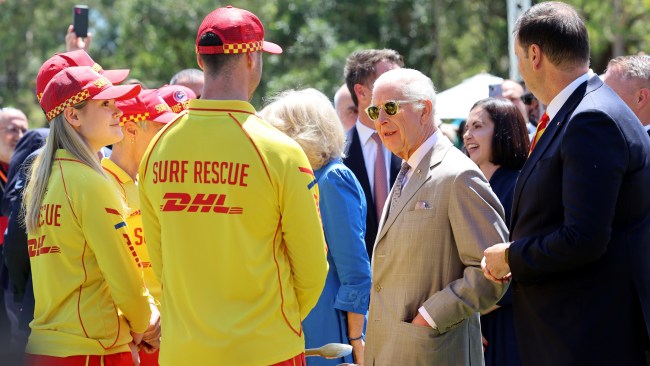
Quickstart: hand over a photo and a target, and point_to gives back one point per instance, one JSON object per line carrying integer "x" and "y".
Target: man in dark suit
{"x": 580, "y": 230}
{"x": 363, "y": 146}
{"x": 629, "y": 77}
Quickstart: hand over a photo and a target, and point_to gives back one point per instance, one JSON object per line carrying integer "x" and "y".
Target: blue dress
{"x": 347, "y": 288}
{"x": 498, "y": 327}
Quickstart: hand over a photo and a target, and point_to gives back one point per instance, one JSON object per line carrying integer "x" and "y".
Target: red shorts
{"x": 117, "y": 359}
{"x": 148, "y": 359}
{"x": 295, "y": 361}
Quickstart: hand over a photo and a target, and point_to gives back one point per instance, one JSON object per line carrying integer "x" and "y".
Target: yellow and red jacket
{"x": 82, "y": 267}
{"x": 232, "y": 226}
{"x": 129, "y": 191}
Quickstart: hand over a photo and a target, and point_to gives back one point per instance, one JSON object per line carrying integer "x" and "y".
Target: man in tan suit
{"x": 428, "y": 287}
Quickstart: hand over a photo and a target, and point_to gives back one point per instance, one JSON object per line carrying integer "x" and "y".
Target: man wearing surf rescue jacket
{"x": 230, "y": 215}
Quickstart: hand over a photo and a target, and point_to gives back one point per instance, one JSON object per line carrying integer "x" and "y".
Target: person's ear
{"x": 198, "y": 61}
{"x": 71, "y": 116}
{"x": 426, "y": 112}
{"x": 535, "y": 54}
{"x": 131, "y": 130}
{"x": 251, "y": 61}
{"x": 642, "y": 97}
{"x": 362, "y": 92}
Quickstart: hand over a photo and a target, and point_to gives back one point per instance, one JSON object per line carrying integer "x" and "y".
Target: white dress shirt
{"x": 556, "y": 104}
{"x": 369, "y": 149}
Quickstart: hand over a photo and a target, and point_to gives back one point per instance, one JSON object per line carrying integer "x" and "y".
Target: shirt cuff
{"x": 427, "y": 317}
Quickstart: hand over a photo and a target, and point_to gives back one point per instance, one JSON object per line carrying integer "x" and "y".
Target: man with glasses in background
{"x": 13, "y": 125}
{"x": 514, "y": 92}
{"x": 373, "y": 165}
{"x": 428, "y": 284}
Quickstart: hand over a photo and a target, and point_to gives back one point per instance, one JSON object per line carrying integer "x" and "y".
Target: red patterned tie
{"x": 541, "y": 126}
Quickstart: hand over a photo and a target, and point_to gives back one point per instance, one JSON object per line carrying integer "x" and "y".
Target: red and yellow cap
{"x": 75, "y": 84}
{"x": 147, "y": 105}
{"x": 240, "y": 31}
{"x": 61, "y": 61}
{"x": 177, "y": 97}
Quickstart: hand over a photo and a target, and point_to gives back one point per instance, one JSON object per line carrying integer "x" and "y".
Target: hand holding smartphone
{"x": 80, "y": 20}
{"x": 495, "y": 91}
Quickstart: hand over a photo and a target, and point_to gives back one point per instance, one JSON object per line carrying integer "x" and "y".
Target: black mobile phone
{"x": 495, "y": 91}
{"x": 80, "y": 20}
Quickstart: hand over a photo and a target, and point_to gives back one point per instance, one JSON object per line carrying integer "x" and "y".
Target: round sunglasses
{"x": 391, "y": 107}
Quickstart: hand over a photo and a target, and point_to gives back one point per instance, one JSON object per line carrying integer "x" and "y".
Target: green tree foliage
{"x": 447, "y": 39}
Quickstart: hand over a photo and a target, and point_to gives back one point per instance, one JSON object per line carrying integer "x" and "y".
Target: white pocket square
{"x": 422, "y": 205}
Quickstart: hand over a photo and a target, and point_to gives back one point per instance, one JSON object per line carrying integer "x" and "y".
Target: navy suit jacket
{"x": 581, "y": 231}
{"x": 354, "y": 160}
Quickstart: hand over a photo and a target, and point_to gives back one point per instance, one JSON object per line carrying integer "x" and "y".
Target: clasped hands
{"x": 494, "y": 263}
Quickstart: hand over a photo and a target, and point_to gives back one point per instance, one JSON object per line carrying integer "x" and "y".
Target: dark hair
{"x": 510, "y": 141}
{"x": 214, "y": 64}
{"x": 558, "y": 30}
{"x": 360, "y": 67}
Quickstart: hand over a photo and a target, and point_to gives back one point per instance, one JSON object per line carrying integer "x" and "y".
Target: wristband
{"x": 506, "y": 255}
{"x": 362, "y": 336}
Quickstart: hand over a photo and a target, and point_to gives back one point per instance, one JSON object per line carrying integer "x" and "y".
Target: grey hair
{"x": 187, "y": 75}
{"x": 10, "y": 110}
{"x": 414, "y": 85}
{"x": 309, "y": 118}
{"x": 631, "y": 67}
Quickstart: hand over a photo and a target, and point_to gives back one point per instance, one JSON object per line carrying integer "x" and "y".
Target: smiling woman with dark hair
{"x": 496, "y": 139}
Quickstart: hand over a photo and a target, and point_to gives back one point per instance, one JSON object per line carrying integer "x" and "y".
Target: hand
{"x": 137, "y": 337}
{"x": 151, "y": 338}
{"x": 419, "y": 320}
{"x": 135, "y": 357}
{"x": 73, "y": 43}
{"x": 358, "y": 347}
{"x": 485, "y": 343}
{"x": 494, "y": 263}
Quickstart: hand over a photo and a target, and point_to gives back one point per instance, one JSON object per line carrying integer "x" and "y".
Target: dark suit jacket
{"x": 581, "y": 234}
{"x": 354, "y": 160}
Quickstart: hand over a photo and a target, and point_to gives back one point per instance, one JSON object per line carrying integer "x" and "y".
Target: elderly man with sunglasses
{"x": 428, "y": 287}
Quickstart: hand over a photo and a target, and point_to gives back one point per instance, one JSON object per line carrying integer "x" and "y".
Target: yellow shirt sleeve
{"x": 104, "y": 227}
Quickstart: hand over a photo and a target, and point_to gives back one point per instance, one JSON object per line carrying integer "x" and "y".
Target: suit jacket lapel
{"x": 422, "y": 173}
{"x": 548, "y": 136}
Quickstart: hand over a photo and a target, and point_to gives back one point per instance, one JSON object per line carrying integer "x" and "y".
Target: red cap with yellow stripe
{"x": 61, "y": 61}
{"x": 146, "y": 106}
{"x": 239, "y": 30}
{"x": 75, "y": 84}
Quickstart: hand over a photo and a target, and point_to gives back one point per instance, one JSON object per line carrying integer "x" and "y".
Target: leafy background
{"x": 449, "y": 40}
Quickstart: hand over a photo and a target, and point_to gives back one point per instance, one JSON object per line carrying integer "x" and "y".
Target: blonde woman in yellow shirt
{"x": 90, "y": 299}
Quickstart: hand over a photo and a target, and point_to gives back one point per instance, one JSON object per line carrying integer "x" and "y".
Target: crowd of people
{"x": 179, "y": 225}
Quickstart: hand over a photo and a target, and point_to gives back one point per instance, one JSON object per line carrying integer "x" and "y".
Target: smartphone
{"x": 80, "y": 20}
{"x": 495, "y": 91}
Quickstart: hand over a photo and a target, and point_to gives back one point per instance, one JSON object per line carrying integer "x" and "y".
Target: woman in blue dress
{"x": 496, "y": 139}
{"x": 308, "y": 117}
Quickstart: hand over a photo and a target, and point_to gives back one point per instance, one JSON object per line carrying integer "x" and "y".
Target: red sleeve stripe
{"x": 112, "y": 211}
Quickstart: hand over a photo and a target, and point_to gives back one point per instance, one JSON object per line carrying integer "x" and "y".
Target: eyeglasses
{"x": 391, "y": 107}
{"x": 15, "y": 130}
{"x": 527, "y": 98}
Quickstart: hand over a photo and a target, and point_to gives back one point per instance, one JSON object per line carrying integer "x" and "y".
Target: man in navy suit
{"x": 363, "y": 146}
{"x": 580, "y": 240}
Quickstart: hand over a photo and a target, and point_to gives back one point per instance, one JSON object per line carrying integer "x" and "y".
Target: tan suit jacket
{"x": 431, "y": 256}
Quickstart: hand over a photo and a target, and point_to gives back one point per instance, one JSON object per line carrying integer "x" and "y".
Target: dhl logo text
{"x": 36, "y": 248}
{"x": 198, "y": 203}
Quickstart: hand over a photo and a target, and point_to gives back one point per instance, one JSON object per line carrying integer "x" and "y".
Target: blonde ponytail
{"x": 62, "y": 136}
